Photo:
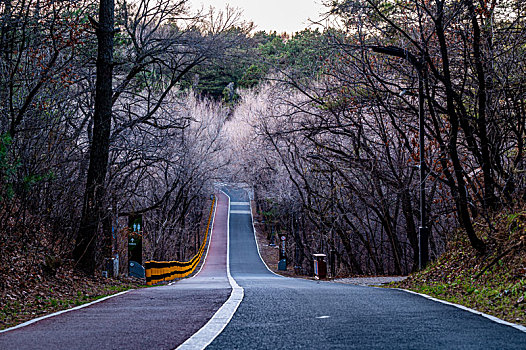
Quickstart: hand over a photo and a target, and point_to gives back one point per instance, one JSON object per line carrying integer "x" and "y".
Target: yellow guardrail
{"x": 158, "y": 271}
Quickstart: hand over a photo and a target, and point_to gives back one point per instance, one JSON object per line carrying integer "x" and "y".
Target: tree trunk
{"x": 462, "y": 199}
{"x": 490, "y": 199}
{"x": 93, "y": 210}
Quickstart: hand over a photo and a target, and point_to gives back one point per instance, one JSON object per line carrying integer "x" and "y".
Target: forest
{"x": 113, "y": 109}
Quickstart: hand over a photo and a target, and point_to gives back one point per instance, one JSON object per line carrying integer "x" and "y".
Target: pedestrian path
{"x": 150, "y": 318}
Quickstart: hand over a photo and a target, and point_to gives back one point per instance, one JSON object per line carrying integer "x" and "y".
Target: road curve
{"x": 151, "y": 318}
{"x": 280, "y": 313}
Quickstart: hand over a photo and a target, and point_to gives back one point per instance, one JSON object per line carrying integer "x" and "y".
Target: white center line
{"x": 203, "y": 337}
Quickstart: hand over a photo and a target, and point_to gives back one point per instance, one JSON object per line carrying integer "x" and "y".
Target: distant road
{"x": 287, "y": 313}
{"x": 150, "y": 318}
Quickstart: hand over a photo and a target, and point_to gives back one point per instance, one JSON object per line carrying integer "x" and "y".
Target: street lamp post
{"x": 423, "y": 230}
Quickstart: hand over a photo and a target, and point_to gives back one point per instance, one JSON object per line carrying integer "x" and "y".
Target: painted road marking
{"x": 239, "y": 203}
{"x": 493, "y": 318}
{"x": 322, "y": 317}
{"x": 240, "y": 212}
{"x": 64, "y": 311}
{"x": 259, "y": 252}
{"x": 206, "y": 335}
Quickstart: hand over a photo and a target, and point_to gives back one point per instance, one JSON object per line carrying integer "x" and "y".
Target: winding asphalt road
{"x": 287, "y": 313}
{"x": 275, "y": 313}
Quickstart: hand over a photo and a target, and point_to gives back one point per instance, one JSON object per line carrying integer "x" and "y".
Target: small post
{"x": 332, "y": 259}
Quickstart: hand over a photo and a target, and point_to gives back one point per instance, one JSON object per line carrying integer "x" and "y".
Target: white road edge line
{"x": 492, "y": 318}
{"x": 257, "y": 244}
{"x": 206, "y": 335}
{"x": 63, "y": 311}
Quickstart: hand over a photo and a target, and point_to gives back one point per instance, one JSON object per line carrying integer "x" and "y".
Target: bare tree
{"x": 159, "y": 44}
{"x": 84, "y": 252}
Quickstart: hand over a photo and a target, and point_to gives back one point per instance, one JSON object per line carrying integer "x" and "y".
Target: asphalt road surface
{"x": 287, "y": 313}
{"x": 150, "y": 318}
{"x": 276, "y": 312}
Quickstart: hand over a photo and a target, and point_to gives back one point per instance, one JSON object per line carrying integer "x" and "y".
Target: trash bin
{"x": 320, "y": 266}
{"x": 136, "y": 270}
{"x": 282, "y": 265}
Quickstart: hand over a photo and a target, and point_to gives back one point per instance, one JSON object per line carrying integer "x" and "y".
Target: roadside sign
{"x": 135, "y": 238}
{"x": 135, "y": 247}
{"x": 282, "y": 265}
{"x": 282, "y": 247}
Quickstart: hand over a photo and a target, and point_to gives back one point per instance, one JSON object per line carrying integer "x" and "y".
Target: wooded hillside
{"x": 323, "y": 123}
